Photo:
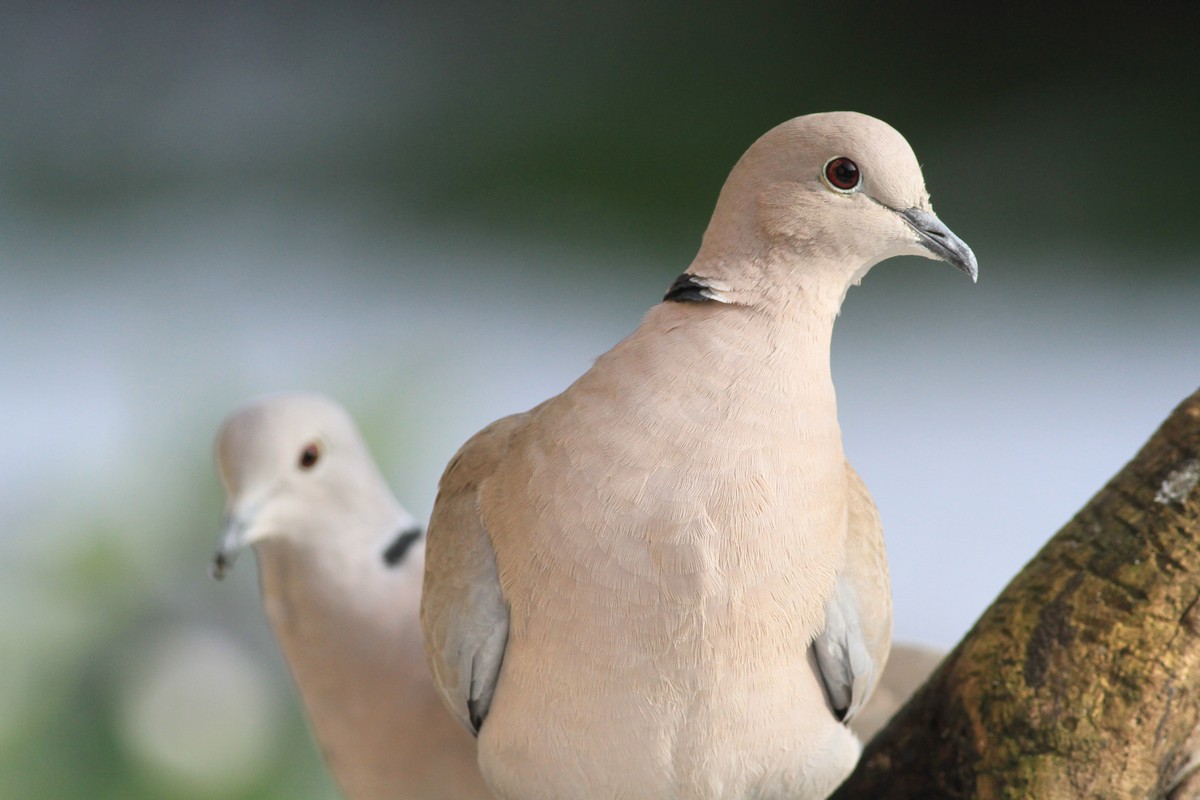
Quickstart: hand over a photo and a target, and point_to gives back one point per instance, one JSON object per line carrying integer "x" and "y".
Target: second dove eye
{"x": 310, "y": 455}
{"x": 842, "y": 174}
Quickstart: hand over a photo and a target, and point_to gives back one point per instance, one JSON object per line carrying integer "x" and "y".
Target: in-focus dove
{"x": 666, "y": 582}
{"x": 340, "y": 565}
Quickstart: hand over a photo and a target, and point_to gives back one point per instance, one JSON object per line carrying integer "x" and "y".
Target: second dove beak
{"x": 233, "y": 541}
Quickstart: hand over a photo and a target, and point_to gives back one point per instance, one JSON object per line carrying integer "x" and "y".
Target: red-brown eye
{"x": 310, "y": 455}
{"x": 842, "y": 174}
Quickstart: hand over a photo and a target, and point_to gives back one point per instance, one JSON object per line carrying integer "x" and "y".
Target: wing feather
{"x": 463, "y": 611}
{"x": 852, "y": 649}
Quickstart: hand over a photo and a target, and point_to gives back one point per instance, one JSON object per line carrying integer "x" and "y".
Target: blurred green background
{"x": 439, "y": 213}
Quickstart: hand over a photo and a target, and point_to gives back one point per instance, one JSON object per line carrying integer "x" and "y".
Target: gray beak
{"x": 232, "y": 543}
{"x": 940, "y": 241}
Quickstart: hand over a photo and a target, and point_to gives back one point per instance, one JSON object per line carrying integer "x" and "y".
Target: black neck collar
{"x": 687, "y": 288}
{"x": 396, "y": 551}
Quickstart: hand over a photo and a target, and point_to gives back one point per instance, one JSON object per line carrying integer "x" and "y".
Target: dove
{"x": 340, "y": 566}
{"x": 667, "y": 581}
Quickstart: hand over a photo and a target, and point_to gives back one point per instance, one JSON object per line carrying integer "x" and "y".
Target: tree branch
{"x": 1083, "y": 678}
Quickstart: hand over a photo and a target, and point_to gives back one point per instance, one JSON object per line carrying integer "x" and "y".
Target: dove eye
{"x": 310, "y": 455}
{"x": 842, "y": 174}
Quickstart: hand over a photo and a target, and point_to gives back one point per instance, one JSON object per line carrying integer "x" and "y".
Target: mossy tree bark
{"x": 1083, "y": 679}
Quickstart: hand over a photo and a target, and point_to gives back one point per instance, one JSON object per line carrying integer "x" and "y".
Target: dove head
{"x": 294, "y": 468}
{"x": 825, "y": 196}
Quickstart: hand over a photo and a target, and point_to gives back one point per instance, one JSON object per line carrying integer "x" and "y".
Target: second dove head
{"x": 289, "y": 463}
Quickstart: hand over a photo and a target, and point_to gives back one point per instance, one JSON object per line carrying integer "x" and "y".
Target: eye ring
{"x": 842, "y": 175}
{"x": 309, "y": 456}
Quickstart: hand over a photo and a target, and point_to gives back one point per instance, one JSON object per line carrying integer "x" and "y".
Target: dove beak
{"x": 233, "y": 541}
{"x": 940, "y": 242}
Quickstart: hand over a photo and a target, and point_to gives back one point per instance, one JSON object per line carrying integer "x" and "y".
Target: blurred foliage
{"x": 93, "y": 618}
{"x": 609, "y": 121}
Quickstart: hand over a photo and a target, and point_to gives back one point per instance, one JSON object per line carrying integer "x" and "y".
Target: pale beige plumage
{"x": 666, "y": 582}
{"x": 340, "y": 566}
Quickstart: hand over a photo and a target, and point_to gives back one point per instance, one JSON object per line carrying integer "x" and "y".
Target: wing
{"x": 853, "y": 648}
{"x": 463, "y": 612}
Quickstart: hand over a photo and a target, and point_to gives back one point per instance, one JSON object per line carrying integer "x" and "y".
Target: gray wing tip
{"x": 476, "y": 715}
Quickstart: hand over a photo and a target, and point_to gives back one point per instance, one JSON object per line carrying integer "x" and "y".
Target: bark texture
{"x": 1083, "y": 679}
